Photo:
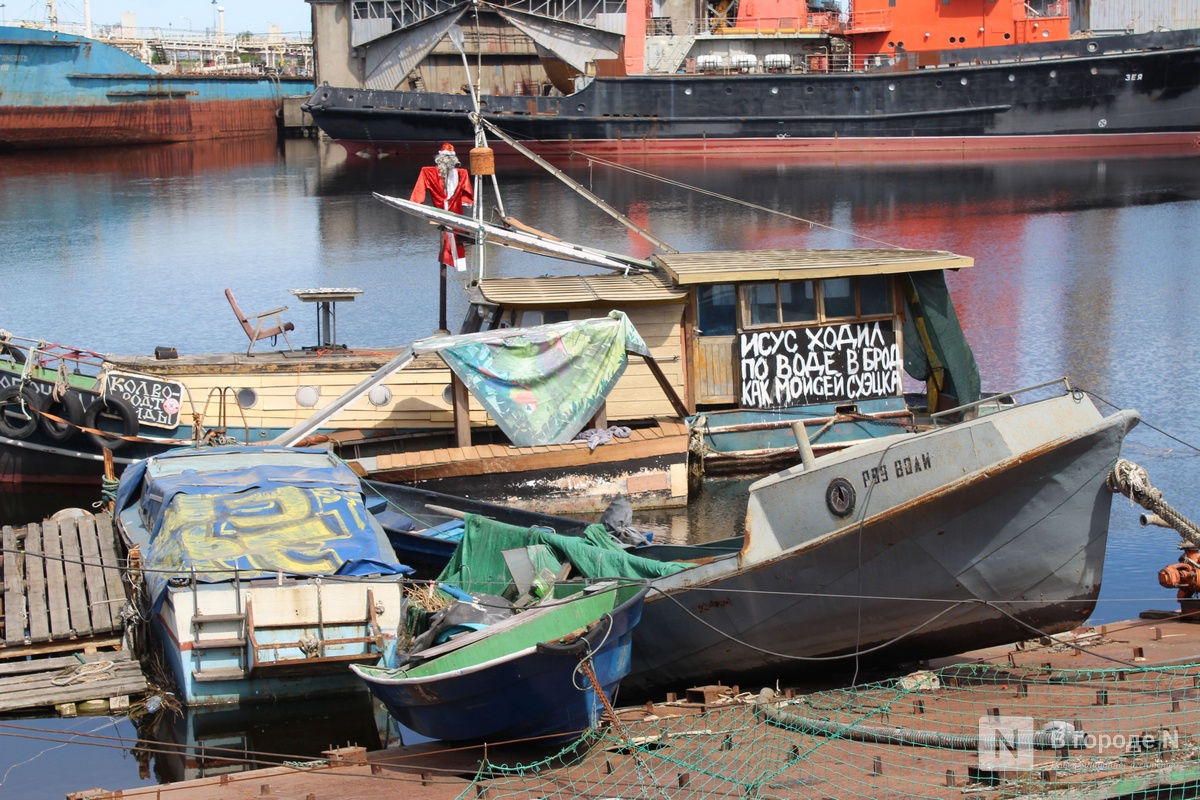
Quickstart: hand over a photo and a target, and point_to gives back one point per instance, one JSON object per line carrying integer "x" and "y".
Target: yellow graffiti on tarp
{"x": 282, "y": 528}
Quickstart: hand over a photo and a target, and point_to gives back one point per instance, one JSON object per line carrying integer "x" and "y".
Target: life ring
{"x": 111, "y": 407}
{"x": 70, "y": 409}
{"x": 17, "y": 422}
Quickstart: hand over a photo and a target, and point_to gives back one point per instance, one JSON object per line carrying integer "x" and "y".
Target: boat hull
{"x": 1130, "y": 91}
{"x": 540, "y": 693}
{"x": 981, "y": 551}
{"x": 61, "y": 90}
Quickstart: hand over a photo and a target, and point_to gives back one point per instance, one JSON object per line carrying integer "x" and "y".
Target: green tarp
{"x": 960, "y": 381}
{"x": 478, "y": 563}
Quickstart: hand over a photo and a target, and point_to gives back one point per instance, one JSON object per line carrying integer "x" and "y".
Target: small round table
{"x": 326, "y": 300}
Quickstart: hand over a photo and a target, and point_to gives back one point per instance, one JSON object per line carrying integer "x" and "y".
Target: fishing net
{"x": 963, "y": 731}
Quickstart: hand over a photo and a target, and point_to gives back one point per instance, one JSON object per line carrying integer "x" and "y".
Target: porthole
{"x": 857, "y": 90}
{"x": 728, "y": 90}
{"x": 380, "y": 396}
{"x": 1011, "y": 78}
{"x": 688, "y": 90}
{"x": 448, "y": 396}
{"x": 809, "y": 89}
{"x": 962, "y": 39}
{"x": 892, "y": 45}
{"x": 1092, "y": 47}
{"x": 579, "y": 107}
{"x": 774, "y": 90}
{"x": 1007, "y": 36}
{"x": 839, "y": 497}
{"x": 1053, "y": 74}
{"x": 963, "y": 81}
{"x": 1095, "y": 71}
{"x": 247, "y": 398}
{"x": 938, "y": 83}
{"x": 308, "y": 396}
{"x": 891, "y": 87}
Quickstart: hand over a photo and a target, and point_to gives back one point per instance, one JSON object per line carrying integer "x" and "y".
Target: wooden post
{"x": 109, "y": 474}
{"x": 462, "y": 412}
{"x": 442, "y": 328}
{"x": 600, "y": 420}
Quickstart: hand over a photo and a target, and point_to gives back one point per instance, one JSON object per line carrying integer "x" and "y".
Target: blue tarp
{"x": 255, "y": 510}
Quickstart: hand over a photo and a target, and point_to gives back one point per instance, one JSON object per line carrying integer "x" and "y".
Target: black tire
{"x": 105, "y": 410}
{"x": 17, "y": 422}
{"x": 70, "y": 408}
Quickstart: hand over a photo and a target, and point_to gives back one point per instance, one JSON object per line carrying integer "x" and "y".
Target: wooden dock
{"x": 63, "y": 594}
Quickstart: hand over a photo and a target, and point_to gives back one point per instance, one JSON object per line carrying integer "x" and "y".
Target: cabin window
{"x": 839, "y": 297}
{"x": 874, "y": 295}
{"x": 716, "y": 310}
{"x": 800, "y": 302}
{"x": 797, "y": 301}
{"x": 543, "y": 316}
{"x": 763, "y": 301}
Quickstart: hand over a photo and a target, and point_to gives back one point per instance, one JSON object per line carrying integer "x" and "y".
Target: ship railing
{"x": 819, "y": 23}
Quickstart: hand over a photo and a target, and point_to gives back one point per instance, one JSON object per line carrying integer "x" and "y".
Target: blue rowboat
{"x": 521, "y": 678}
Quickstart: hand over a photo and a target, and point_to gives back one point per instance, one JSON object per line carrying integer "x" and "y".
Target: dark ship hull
{"x": 1137, "y": 90}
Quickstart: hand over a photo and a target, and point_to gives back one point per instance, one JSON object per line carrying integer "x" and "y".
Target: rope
{"x": 1132, "y": 481}
{"x": 85, "y": 673}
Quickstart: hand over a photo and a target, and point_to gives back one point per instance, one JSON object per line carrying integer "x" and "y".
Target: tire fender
{"x": 111, "y": 406}
{"x": 15, "y": 422}
{"x": 70, "y": 408}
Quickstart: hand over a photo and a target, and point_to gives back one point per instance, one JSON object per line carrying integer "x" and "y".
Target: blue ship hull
{"x": 59, "y": 90}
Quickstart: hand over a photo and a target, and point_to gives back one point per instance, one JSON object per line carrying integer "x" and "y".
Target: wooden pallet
{"x": 62, "y": 587}
{"x": 63, "y": 680}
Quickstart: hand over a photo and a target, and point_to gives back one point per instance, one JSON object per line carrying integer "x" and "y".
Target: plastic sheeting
{"x": 253, "y": 511}
{"x": 542, "y": 384}
{"x": 962, "y": 384}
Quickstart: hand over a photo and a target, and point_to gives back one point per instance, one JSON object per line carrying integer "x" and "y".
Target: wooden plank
{"x": 14, "y": 590}
{"x": 35, "y": 579}
{"x": 77, "y": 602}
{"x": 99, "y": 607}
{"x": 112, "y": 566}
{"x": 91, "y": 644}
{"x": 56, "y": 582}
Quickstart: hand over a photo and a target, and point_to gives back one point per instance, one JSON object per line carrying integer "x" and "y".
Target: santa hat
{"x": 447, "y": 149}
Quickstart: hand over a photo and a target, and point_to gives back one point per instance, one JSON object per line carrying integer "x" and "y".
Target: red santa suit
{"x": 451, "y": 195}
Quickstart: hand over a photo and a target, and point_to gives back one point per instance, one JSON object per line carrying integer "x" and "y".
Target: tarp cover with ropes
{"x": 542, "y": 384}
{"x": 255, "y": 510}
{"x": 478, "y": 564}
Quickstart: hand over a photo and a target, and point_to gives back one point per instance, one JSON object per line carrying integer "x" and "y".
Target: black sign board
{"x": 156, "y": 402}
{"x": 828, "y": 364}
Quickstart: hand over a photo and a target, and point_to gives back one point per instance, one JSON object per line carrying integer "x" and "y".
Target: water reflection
{"x": 203, "y": 742}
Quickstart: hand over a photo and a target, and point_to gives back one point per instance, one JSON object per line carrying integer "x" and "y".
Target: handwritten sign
{"x": 829, "y": 364}
{"x": 156, "y": 402}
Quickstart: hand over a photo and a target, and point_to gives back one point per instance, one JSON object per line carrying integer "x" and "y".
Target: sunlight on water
{"x": 1084, "y": 268}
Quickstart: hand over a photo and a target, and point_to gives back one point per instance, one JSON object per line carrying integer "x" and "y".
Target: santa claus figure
{"x": 448, "y": 186}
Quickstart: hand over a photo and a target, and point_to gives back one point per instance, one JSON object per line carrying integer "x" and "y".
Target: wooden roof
{"x": 790, "y": 265}
{"x": 581, "y": 290}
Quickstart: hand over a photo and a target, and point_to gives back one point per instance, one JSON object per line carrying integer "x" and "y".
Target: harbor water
{"x": 1086, "y": 267}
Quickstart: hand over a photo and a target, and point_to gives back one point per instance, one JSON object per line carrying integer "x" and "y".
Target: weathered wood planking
{"x": 99, "y": 608}
{"x": 14, "y": 590}
{"x": 56, "y": 582}
{"x": 77, "y": 600}
{"x": 35, "y": 580}
{"x": 26, "y": 685}
{"x": 112, "y": 566}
